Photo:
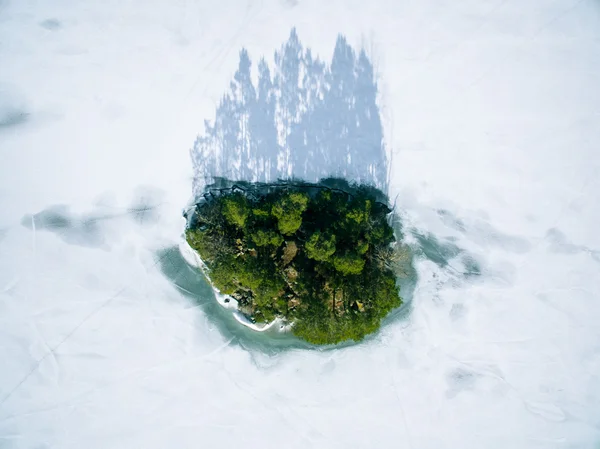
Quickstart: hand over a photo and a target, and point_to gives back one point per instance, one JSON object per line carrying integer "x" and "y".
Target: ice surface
{"x": 491, "y": 109}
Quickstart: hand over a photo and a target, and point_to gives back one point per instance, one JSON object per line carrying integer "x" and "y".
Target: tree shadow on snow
{"x": 302, "y": 119}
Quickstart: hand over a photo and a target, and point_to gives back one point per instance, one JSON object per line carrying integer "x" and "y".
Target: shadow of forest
{"x": 301, "y": 119}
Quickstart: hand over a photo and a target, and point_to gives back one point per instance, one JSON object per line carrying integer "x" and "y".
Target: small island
{"x": 314, "y": 256}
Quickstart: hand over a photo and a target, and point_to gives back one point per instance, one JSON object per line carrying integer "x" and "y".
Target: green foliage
{"x": 210, "y": 245}
{"x": 288, "y": 211}
{"x": 332, "y": 277}
{"x": 362, "y": 247}
{"x": 380, "y": 234}
{"x": 298, "y": 200}
{"x": 325, "y": 195}
{"x": 320, "y": 247}
{"x": 290, "y": 223}
{"x": 359, "y": 214}
{"x": 349, "y": 264}
{"x": 220, "y": 275}
{"x": 320, "y": 330}
{"x": 268, "y": 291}
{"x": 261, "y": 212}
{"x": 235, "y": 209}
{"x": 263, "y": 238}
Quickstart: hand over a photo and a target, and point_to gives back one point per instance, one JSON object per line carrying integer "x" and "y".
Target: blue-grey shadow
{"x": 303, "y": 119}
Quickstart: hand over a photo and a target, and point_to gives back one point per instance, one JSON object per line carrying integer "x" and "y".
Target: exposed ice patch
{"x": 484, "y": 234}
{"x": 97, "y": 227}
{"x": 12, "y": 117}
{"x": 459, "y": 380}
{"x": 13, "y": 108}
{"x": 145, "y": 209}
{"x": 51, "y": 24}
{"x": 546, "y": 410}
{"x": 558, "y": 243}
{"x": 458, "y": 311}
{"x": 82, "y": 230}
{"x": 439, "y": 252}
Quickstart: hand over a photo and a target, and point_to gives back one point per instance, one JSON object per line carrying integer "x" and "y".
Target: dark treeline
{"x": 302, "y": 119}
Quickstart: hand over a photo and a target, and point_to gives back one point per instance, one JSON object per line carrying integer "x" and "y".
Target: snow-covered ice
{"x": 492, "y": 111}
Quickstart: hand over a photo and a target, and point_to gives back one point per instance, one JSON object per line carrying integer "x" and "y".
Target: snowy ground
{"x": 492, "y": 109}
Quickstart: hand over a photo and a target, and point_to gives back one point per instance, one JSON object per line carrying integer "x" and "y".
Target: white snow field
{"x": 492, "y": 111}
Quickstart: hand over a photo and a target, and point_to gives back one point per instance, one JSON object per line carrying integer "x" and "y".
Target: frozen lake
{"x": 491, "y": 115}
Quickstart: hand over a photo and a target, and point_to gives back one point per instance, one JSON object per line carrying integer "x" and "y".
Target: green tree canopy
{"x": 288, "y": 211}
{"x": 236, "y": 209}
{"x": 263, "y": 238}
{"x": 320, "y": 247}
{"x": 331, "y": 278}
{"x": 349, "y": 264}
